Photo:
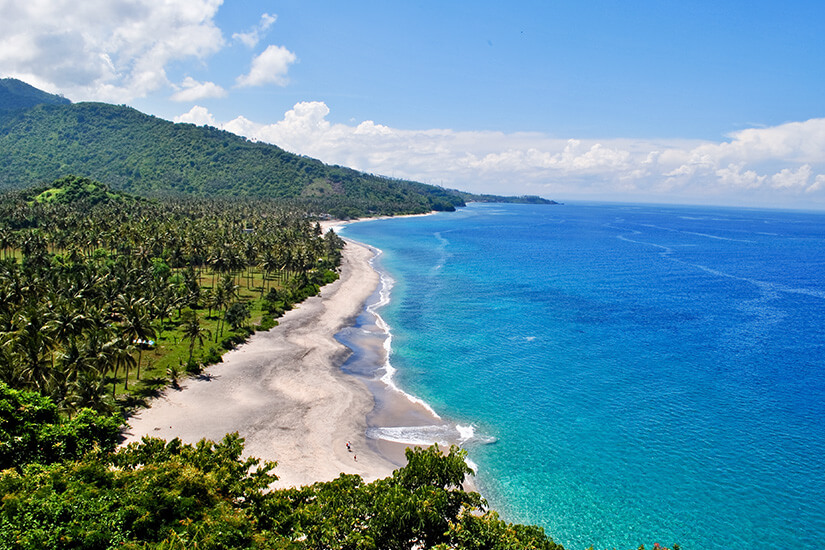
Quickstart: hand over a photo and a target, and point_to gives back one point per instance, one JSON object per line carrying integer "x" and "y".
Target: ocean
{"x": 620, "y": 374}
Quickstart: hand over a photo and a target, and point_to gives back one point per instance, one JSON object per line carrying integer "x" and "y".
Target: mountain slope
{"x": 17, "y": 95}
{"x": 146, "y": 155}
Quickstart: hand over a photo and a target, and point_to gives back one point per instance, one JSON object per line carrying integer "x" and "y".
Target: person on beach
{"x": 348, "y": 447}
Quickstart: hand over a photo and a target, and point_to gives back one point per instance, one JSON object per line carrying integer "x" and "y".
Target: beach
{"x": 284, "y": 392}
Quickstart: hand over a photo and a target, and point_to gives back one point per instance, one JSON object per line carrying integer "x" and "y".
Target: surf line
{"x": 442, "y": 434}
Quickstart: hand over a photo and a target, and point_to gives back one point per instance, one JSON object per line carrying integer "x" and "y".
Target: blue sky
{"x": 692, "y": 102}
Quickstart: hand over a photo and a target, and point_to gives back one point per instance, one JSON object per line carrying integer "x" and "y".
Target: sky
{"x": 692, "y": 102}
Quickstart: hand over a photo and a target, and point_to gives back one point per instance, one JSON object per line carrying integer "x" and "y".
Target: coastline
{"x": 301, "y": 391}
{"x": 285, "y": 393}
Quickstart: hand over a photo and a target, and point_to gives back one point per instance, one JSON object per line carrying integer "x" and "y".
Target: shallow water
{"x": 648, "y": 374}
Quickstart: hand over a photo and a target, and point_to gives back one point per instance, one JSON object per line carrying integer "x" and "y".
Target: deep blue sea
{"x": 647, "y": 373}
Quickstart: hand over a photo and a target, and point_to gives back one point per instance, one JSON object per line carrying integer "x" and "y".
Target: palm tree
{"x": 67, "y": 321}
{"x": 89, "y": 391}
{"x": 231, "y": 295}
{"x": 34, "y": 346}
{"x": 118, "y": 353}
{"x": 193, "y": 331}
{"x": 135, "y": 324}
{"x": 269, "y": 264}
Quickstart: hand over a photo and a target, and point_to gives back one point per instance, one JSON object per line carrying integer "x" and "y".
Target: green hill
{"x": 146, "y": 155}
{"x": 16, "y": 95}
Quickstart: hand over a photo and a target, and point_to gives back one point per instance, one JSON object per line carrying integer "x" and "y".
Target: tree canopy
{"x": 92, "y": 280}
{"x": 158, "y": 494}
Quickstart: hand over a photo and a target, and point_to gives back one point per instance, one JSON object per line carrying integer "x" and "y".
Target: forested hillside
{"x": 44, "y": 137}
{"x": 146, "y": 155}
{"x": 16, "y": 95}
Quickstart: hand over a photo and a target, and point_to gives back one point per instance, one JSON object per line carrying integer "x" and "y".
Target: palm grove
{"x": 91, "y": 279}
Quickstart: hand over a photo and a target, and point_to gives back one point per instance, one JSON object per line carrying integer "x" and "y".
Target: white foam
{"x": 465, "y": 433}
{"x": 415, "y": 435}
{"x": 336, "y": 227}
{"x": 388, "y": 378}
{"x": 442, "y": 434}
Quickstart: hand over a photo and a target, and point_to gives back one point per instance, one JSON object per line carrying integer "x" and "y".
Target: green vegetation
{"x": 106, "y": 297}
{"x": 524, "y": 199}
{"x": 72, "y": 189}
{"x": 16, "y": 95}
{"x": 33, "y": 432}
{"x": 149, "y": 156}
{"x": 155, "y": 494}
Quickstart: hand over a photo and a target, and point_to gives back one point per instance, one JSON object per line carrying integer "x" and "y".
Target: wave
{"x": 442, "y": 252}
{"x": 388, "y": 378}
{"x": 441, "y": 434}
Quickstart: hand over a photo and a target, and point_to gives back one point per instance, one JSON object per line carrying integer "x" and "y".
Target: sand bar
{"x": 284, "y": 391}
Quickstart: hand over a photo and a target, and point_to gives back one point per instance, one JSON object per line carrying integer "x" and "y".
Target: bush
{"x": 31, "y": 430}
{"x": 232, "y": 341}
{"x": 237, "y": 314}
{"x": 212, "y": 356}
{"x": 267, "y": 322}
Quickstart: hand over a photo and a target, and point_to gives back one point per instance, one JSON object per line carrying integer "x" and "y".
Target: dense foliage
{"x": 92, "y": 280}
{"x": 155, "y": 494}
{"x": 32, "y": 431}
{"x": 147, "y": 155}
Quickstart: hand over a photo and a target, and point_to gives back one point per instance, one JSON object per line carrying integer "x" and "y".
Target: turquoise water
{"x": 648, "y": 374}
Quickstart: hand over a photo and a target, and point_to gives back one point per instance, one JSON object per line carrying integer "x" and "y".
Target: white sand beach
{"x": 284, "y": 391}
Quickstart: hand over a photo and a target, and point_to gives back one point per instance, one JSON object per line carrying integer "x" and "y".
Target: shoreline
{"x": 300, "y": 392}
{"x": 285, "y": 393}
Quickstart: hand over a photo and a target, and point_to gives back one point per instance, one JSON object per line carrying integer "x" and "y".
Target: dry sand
{"x": 284, "y": 391}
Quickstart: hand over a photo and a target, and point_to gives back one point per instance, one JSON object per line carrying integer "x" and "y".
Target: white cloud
{"x": 197, "y": 115}
{"x": 734, "y": 176}
{"x": 818, "y": 185}
{"x": 270, "y": 66}
{"x": 109, "y": 50}
{"x": 773, "y": 166}
{"x": 253, "y": 36}
{"x": 788, "y": 178}
{"x": 192, "y": 90}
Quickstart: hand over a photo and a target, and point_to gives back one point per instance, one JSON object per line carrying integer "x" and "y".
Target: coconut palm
{"x": 117, "y": 353}
{"x": 34, "y": 347}
{"x": 135, "y": 324}
{"x": 193, "y": 331}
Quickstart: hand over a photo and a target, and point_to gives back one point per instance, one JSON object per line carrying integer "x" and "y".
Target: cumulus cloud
{"x": 192, "y": 90}
{"x": 197, "y": 115}
{"x": 270, "y": 66}
{"x": 109, "y": 50}
{"x": 818, "y": 185}
{"x": 789, "y": 178}
{"x": 735, "y": 176}
{"x": 253, "y": 36}
{"x": 776, "y": 165}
